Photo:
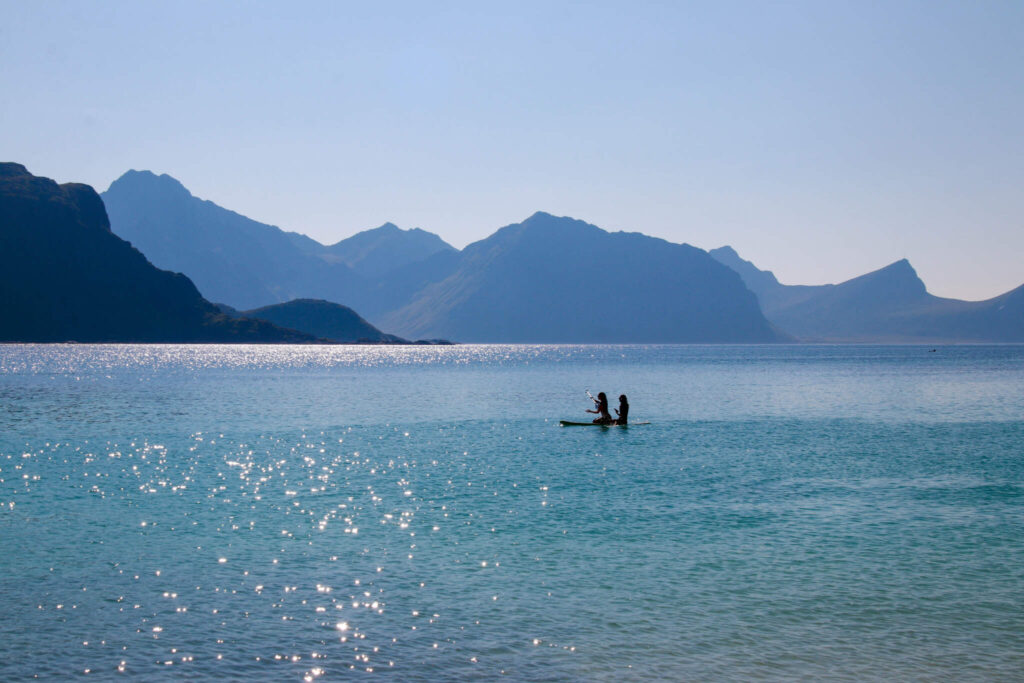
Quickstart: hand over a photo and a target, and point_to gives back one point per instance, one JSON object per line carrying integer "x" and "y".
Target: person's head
{"x": 622, "y": 399}
{"x": 601, "y": 397}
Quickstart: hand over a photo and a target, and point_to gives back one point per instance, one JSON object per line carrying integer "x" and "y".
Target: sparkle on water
{"x": 305, "y": 512}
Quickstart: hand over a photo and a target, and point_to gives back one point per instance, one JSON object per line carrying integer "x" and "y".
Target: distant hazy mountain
{"x": 546, "y": 279}
{"x": 398, "y": 287}
{"x": 760, "y": 282}
{"x": 376, "y": 252}
{"x": 552, "y": 279}
{"x": 244, "y": 263}
{"x": 231, "y": 258}
{"x": 887, "y": 305}
{"x": 65, "y": 277}
{"x": 323, "y": 319}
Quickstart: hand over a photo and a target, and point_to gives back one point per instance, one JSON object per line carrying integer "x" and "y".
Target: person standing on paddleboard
{"x": 622, "y": 411}
{"x": 603, "y": 416}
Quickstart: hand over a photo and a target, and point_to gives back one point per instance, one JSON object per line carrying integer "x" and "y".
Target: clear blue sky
{"x": 820, "y": 139}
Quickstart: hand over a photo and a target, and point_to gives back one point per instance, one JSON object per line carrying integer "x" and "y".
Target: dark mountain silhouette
{"x": 323, "y": 319}
{"x": 64, "y": 276}
{"x": 888, "y": 305}
{"x": 231, "y": 258}
{"x": 244, "y": 263}
{"x": 552, "y": 279}
{"x": 376, "y": 252}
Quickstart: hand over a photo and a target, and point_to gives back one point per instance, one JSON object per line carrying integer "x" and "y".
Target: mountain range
{"x": 546, "y": 279}
{"x": 232, "y": 259}
{"x": 246, "y": 264}
{"x": 888, "y": 305}
{"x": 64, "y": 276}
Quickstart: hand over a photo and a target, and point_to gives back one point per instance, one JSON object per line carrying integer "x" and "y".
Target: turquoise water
{"x": 322, "y": 513}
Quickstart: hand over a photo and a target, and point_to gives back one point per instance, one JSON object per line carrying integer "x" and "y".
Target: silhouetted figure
{"x": 622, "y": 411}
{"x": 603, "y": 416}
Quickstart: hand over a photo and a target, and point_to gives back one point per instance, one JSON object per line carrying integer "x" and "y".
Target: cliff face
{"x": 64, "y": 276}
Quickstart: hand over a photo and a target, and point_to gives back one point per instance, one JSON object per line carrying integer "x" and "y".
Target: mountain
{"x": 891, "y": 304}
{"x": 65, "y": 276}
{"x": 245, "y": 263}
{"x": 400, "y": 286}
{"x": 231, "y": 258}
{"x": 757, "y": 281}
{"x": 551, "y": 279}
{"x": 376, "y": 252}
{"x": 323, "y": 319}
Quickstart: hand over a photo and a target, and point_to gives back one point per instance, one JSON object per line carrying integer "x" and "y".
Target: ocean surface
{"x": 417, "y": 514}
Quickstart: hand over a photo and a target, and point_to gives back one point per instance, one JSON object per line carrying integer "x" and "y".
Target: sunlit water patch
{"x": 305, "y": 513}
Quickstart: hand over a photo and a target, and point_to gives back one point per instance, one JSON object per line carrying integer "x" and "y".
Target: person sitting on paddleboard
{"x": 622, "y": 411}
{"x": 603, "y": 416}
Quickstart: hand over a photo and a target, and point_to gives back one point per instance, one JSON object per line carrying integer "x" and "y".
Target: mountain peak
{"x": 543, "y": 220}
{"x": 147, "y": 181}
{"x": 379, "y": 250}
{"x": 10, "y": 169}
{"x": 760, "y": 282}
{"x": 389, "y": 227}
{"x": 897, "y": 273}
{"x": 539, "y": 215}
{"x": 725, "y": 251}
{"x": 539, "y": 228}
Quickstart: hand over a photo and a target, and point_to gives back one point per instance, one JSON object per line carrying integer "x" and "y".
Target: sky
{"x": 820, "y": 139}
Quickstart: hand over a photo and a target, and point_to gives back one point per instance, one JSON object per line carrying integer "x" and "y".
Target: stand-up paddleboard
{"x": 568, "y": 423}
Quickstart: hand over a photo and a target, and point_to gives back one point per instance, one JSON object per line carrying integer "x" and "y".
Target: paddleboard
{"x": 568, "y": 423}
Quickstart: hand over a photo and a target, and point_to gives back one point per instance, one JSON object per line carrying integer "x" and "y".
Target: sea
{"x": 417, "y": 513}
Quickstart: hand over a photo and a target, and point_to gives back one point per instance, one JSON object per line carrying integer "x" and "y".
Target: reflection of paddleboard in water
{"x": 567, "y": 423}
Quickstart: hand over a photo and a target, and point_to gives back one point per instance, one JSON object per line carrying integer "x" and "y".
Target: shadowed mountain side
{"x": 401, "y": 285}
{"x": 64, "y": 276}
{"x": 380, "y": 251}
{"x": 888, "y": 305}
{"x": 230, "y": 257}
{"x": 323, "y": 319}
{"x": 552, "y": 279}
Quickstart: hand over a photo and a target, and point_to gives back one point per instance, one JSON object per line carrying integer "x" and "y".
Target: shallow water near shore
{"x": 319, "y": 513}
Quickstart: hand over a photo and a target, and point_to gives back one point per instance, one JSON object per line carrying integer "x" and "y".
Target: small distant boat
{"x": 568, "y": 423}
